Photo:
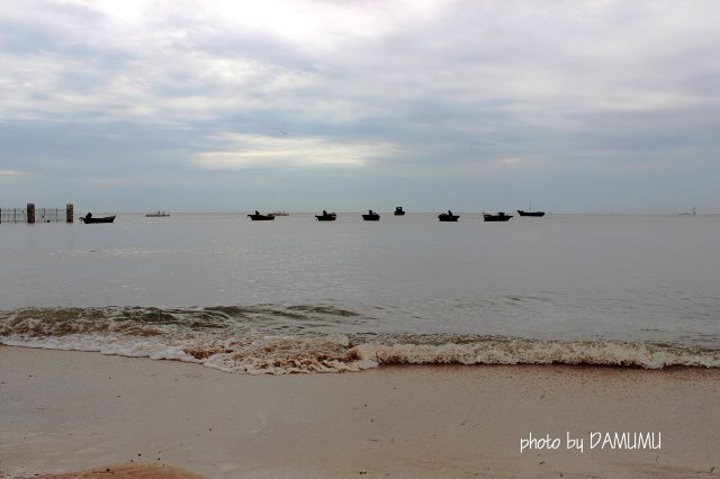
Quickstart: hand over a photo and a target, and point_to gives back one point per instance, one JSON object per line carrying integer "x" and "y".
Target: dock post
{"x": 31, "y": 213}
{"x": 69, "y": 212}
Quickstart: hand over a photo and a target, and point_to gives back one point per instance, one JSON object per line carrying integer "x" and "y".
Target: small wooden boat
{"x": 371, "y": 216}
{"x": 258, "y": 217}
{"x": 449, "y": 216}
{"x": 325, "y": 216}
{"x": 399, "y": 211}
{"x": 500, "y": 216}
{"x": 89, "y": 219}
{"x": 536, "y": 214}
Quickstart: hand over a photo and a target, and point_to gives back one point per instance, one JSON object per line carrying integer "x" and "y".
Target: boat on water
{"x": 530, "y": 212}
{"x": 259, "y": 217}
{"x": 90, "y": 219}
{"x": 371, "y": 216}
{"x": 449, "y": 216}
{"x": 500, "y": 216}
{"x": 325, "y": 216}
{"x": 157, "y": 214}
{"x": 685, "y": 213}
{"x": 536, "y": 214}
{"x": 399, "y": 211}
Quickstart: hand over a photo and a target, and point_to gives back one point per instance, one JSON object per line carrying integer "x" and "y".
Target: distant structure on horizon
{"x": 157, "y": 214}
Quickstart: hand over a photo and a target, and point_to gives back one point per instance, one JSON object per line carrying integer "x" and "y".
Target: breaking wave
{"x": 279, "y": 339}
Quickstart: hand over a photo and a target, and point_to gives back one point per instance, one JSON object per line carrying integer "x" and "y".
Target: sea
{"x": 298, "y": 295}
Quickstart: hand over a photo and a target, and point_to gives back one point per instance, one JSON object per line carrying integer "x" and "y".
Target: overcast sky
{"x": 479, "y": 105}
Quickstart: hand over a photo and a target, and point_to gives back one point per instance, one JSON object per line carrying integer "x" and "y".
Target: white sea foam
{"x": 236, "y": 339}
{"x": 280, "y": 355}
{"x": 533, "y": 351}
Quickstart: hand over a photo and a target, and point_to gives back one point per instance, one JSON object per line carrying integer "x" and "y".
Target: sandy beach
{"x": 72, "y": 411}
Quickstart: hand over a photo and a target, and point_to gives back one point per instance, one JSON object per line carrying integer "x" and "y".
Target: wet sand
{"x": 71, "y": 411}
{"x": 127, "y": 471}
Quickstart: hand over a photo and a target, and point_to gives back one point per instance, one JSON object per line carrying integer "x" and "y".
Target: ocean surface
{"x": 296, "y": 295}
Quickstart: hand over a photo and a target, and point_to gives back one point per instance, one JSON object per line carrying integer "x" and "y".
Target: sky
{"x": 595, "y": 106}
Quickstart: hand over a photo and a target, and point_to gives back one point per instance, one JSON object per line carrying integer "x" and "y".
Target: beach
{"x": 315, "y": 239}
{"x": 67, "y": 411}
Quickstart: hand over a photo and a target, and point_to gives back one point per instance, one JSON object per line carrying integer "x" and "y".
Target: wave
{"x": 277, "y": 340}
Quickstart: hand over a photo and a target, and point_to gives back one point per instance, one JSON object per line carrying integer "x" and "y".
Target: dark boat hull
{"x": 261, "y": 217}
{"x": 496, "y": 218}
{"x": 327, "y": 217}
{"x": 371, "y": 217}
{"x": 535, "y": 214}
{"x": 448, "y": 218}
{"x": 89, "y": 221}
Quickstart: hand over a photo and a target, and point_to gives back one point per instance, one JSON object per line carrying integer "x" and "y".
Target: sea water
{"x": 295, "y": 294}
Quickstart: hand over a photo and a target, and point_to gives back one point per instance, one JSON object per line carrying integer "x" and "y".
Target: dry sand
{"x": 70, "y": 411}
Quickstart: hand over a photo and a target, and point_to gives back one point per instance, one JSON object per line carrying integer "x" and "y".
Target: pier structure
{"x": 31, "y": 215}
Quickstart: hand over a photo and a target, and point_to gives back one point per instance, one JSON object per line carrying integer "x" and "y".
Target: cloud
{"x": 255, "y": 151}
{"x": 422, "y": 90}
{"x": 353, "y": 61}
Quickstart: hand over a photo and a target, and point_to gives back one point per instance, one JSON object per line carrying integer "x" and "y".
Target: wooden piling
{"x": 69, "y": 212}
{"x": 31, "y": 213}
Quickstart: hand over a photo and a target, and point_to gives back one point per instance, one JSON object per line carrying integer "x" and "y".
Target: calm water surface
{"x": 561, "y": 277}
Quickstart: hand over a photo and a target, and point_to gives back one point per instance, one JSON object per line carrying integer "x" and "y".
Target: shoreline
{"x": 65, "y": 411}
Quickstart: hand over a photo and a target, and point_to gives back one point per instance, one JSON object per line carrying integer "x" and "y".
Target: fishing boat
{"x": 371, "y": 216}
{"x": 536, "y": 214}
{"x": 90, "y": 219}
{"x": 325, "y": 216}
{"x": 500, "y": 216}
{"x": 157, "y": 214}
{"x": 449, "y": 216}
{"x": 258, "y": 217}
{"x": 399, "y": 211}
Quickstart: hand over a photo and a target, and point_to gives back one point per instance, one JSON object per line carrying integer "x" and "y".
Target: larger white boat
{"x": 157, "y": 214}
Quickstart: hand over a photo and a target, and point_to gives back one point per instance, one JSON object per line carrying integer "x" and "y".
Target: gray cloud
{"x": 380, "y": 101}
